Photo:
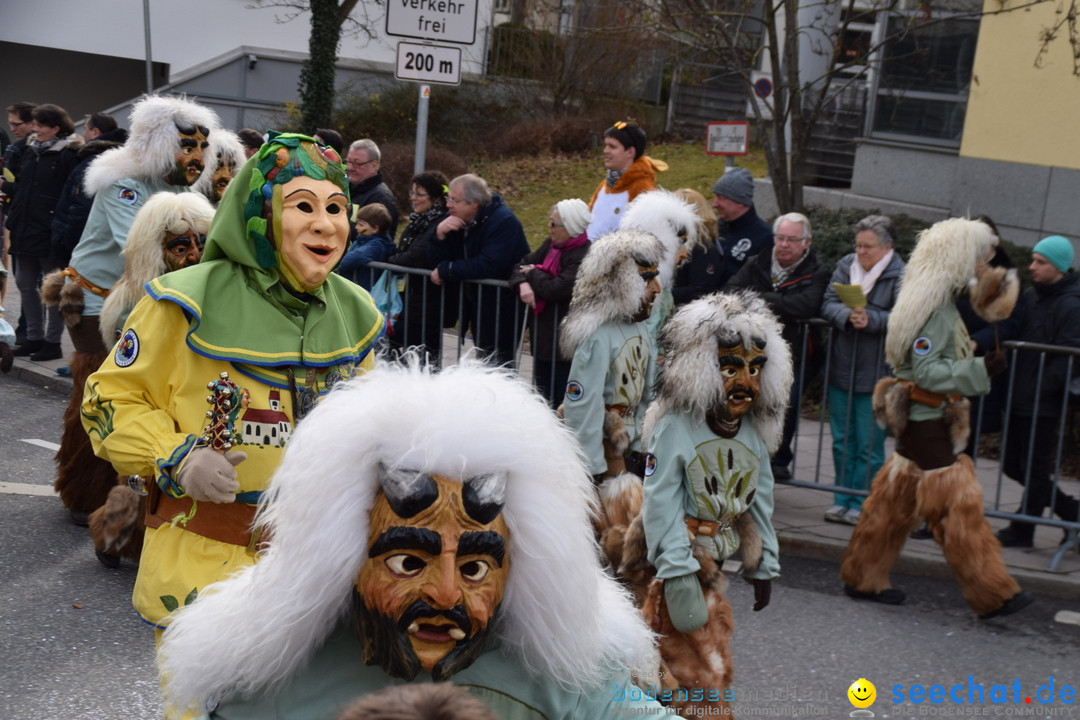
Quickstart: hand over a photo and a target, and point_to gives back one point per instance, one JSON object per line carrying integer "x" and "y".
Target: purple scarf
{"x": 552, "y": 264}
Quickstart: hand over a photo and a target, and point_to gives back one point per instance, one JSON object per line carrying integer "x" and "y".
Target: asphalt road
{"x": 73, "y": 649}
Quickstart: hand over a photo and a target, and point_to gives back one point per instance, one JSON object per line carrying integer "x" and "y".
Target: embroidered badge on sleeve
{"x": 574, "y": 390}
{"x": 127, "y": 350}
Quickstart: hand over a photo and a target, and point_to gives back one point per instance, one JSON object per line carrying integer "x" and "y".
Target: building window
{"x": 922, "y": 88}
{"x": 502, "y": 6}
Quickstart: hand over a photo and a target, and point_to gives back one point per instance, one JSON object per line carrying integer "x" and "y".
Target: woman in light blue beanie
{"x": 1058, "y": 250}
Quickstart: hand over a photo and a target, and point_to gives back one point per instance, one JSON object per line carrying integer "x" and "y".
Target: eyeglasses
{"x": 552, "y": 223}
{"x": 859, "y": 246}
{"x": 784, "y": 240}
{"x": 18, "y": 124}
{"x": 418, "y": 194}
{"x": 451, "y": 200}
{"x": 354, "y": 164}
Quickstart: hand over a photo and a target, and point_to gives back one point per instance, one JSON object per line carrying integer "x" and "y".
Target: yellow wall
{"x": 1017, "y": 112}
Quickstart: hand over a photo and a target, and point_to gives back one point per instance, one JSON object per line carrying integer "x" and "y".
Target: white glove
{"x": 205, "y": 474}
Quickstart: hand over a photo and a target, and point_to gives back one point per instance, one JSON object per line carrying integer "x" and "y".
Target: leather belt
{"x": 225, "y": 522}
{"x": 621, "y": 410}
{"x": 70, "y": 272}
{"x": 925, "y": 397}
{"x": 709, "y": 528}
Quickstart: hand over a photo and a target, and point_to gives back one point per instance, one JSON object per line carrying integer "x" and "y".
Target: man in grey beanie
{"x": 742, "y": 233}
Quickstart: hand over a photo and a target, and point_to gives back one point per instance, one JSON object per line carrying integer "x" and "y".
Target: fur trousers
{"x": 695, "y": 661}
{"x": 950, "y": 499}
{"x": 83, "y": 480}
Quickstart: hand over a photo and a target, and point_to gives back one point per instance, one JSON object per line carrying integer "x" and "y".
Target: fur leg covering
{"x": 697, "y": 660}
{"x": 888, "y": 515}
{"x": 621, "y": 498}
{"x": 117, "y": 527}
{"x": 950, "y": 499}
{"x": 83, "y": 480}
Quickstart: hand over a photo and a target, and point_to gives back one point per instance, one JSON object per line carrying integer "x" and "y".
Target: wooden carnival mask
{"x": 740, "y": 368}
{"x": 437, "y": 564}
{"x": 189, "y": 164}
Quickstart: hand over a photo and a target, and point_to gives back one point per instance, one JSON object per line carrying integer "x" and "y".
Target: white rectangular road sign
{"x": 438, "y": 20}
{"x": 728, "y": 138}
{"x": 428, "y": 63}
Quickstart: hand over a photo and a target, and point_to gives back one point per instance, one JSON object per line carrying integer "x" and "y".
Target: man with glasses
{"x": 366, "y": 183}
{"x": 792, "y": 281}
{"x": 480, "y": 238}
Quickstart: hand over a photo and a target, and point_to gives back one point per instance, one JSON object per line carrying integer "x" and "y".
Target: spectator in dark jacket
{"x": 50, "y": 156}
{"x": 988, "y": 411}
{"x": 425, "y": 305}
{"x": 857, "y": 360}
{"x": 792, "y": 281}
{"x": 372, "y": 244}
{"x": 1050, "y": 316}
{"x": 100, "y": 133}
{"x": 366, "y": 183}
{"x": 544, "y": 280}
{"x": 742, "y": 233}
{"x": 21, "y": 122}
{"x": 703, "y": 272}
{"x": 481, "y": 238}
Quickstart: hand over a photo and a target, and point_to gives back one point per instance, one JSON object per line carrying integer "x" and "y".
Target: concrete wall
{"x": 1028, "y": 202}
{"x": 1022, "y": 106}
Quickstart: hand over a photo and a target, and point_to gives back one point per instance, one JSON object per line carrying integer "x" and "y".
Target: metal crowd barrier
{"x": 823, "y": 477}
{"x": 444, "y": 315}
{"x": 1065, "y": 441}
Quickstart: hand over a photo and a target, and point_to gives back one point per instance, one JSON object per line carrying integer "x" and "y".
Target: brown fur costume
{"x": 927, "y": 477}
{"x": 698, "y": 659}
{"x": 950, "y": 499}
{"x": 83, "y": 480}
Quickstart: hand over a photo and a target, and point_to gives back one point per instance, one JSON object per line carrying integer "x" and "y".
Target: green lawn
{"x": 531, "y": 185}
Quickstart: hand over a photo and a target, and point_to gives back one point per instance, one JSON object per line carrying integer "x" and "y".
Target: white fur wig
{"x": 667, "y": 216}
{"x": 561, "y": 615}
{"x": 224, "y": 146}
{"x": 690, "y": 378}
{"x": 941, "y": 265}
{"x": 608, "y": 286}
{"x": 151, "y": 148}
{"x": 143, "y": 257}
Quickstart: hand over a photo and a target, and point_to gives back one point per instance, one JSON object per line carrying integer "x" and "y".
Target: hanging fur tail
{"x": 890, "y": 403}
{"x": 750, "y": 548}
{"x": 621, "y": 498}
{"x": 994, "y": 292}
{"x": 68, "y": 296}
{"x": 116, "y": 527}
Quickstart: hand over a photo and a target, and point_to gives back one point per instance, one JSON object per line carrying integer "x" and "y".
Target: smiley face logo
{"x": 862, "y": 693}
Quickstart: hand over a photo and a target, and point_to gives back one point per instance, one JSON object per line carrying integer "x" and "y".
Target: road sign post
{"x": 452, "y": 21}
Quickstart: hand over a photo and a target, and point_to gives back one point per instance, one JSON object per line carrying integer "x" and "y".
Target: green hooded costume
{"x": 237, "y": 312}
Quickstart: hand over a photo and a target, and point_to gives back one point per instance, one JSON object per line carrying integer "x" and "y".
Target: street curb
{"x": 1040, "y": 583}
{"x": 42, "y": 377}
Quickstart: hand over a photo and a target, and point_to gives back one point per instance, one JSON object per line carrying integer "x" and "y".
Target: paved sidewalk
{"x": 38, "y": 373}
{"x": 799, "y": 512}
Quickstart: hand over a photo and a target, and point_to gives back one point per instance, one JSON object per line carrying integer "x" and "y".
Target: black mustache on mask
{"x": 421, "y": 609}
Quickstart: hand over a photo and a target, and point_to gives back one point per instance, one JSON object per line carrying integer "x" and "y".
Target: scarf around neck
{"x": 866, "y": 279}
{"x": 552, "y": 264}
